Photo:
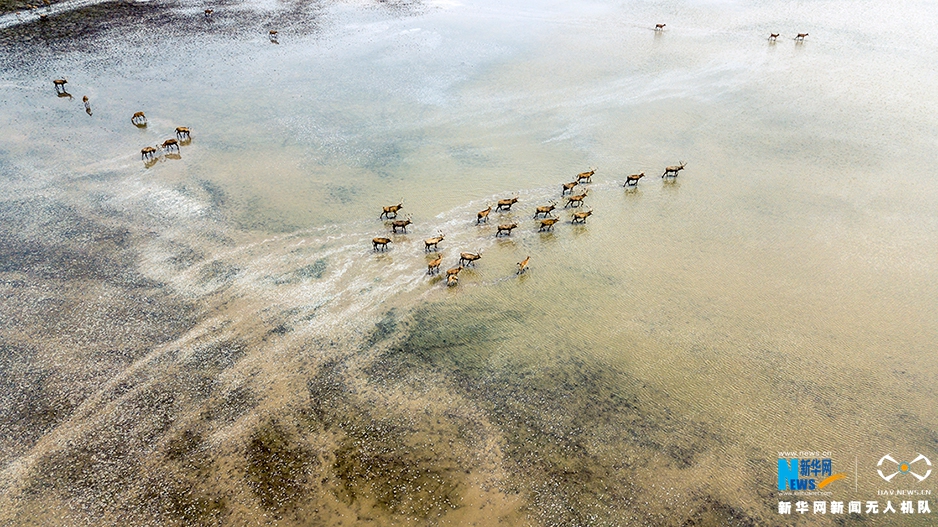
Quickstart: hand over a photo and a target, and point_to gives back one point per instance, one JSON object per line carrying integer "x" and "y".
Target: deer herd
{"x": 543, "y": 214}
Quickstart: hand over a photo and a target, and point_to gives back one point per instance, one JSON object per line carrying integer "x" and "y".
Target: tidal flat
{"x": 209, "y": 337}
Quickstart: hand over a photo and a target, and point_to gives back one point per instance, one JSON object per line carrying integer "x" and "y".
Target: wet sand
{"x": 209, "y": 340}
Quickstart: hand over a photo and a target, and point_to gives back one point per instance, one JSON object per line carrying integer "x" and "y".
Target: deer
{"x": 773, "y": 37}
{"x": 585, "y": 176}
{"x": 400, "y": 224}
{"x": 84, "y": 99}
{"x": 632, "y": 180}
{"x": 547, "y": 224}
{"x": 568, "y": 187}
{"x": 578, "y": 199}
{"x": 801, "y": 36}
{"x": 434, "y": 265}
{"x": 523, "y": 265}
{"x": 452, "y": 275}
{"x": 659, "y": 27}
{"x": 139, "y": 119}
{"x": 580, "y": 217}
{"x": 672, "y": 170}
{"x": 380, "y": 242}
{"x": 171, "y": 144}
{"x": 147, "y": 152}
{"x": 208, "y": 12}
{"x": 506, "y": 228}
{"x": 392, "y": 210}
{"x": 60, "y": 85}
{"x": 546, "y": 210}
{"x": 483, "y": 215}
{"x": 182, "y": 133}
{"x": 272, "y": 35}
{"x": 433, "y": 242}
{"x": 469, "y": 258}
{"x": 505, "y": 204}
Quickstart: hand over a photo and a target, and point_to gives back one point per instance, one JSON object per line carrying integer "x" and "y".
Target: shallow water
{"x": 779, "y": 295}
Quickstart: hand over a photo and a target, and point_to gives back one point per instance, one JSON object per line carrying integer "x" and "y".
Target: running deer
{"x": 380, "y": 242}
{"x": 547, "y": 224}
{"x": 469, "y": 258}
{"x": 567, "y": 187}
{"x": 586, "y": 176}
{"x": 546, "y": 210}
{"x": 434, "y": 265}
{"x": 139, "y": 119}
{"x": 773, "y": 37}
{"x": 147, "y": 152}
{"x": 391, "y": 210}
{"x": 452, "y": 275}
{"x": 578, "y": 199}
{"x": 580, "y": 217}
{"x": 505, "y": 204}
{"x": 672, "y": 170}
{"x": 632, "y": 180}
{"x": 659, "y": 27}
{"x": 87, "y": 104}
{"x": 272, "y": 35}
{"x": 182, "y": 133}
{"x": 400, "y": 224}
{"x": 801, "y": 36}
{"x": 506, "y": 228}
{"x": 208, "y": 12}
{"x": 171, "y": 144}
{"x": 433, "y": 242}
{"x": 483, "y": 215}
{"x": 523, "y": 265}
{"x": 60, "y": 85}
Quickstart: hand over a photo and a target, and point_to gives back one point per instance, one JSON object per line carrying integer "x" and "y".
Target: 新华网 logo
{"x": 806, "y": 473}
{"x": 894, "y": 468}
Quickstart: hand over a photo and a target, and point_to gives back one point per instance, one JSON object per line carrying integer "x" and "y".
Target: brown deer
{"x": 507, "y": 228}
{"x": 84, "y": 99}
{"x": 672, "y": 170}
{"x": 659, "y": 27}
{"x": 60, "y": 85}
{"x": 567, "y": 187}
{"x": 147, "y": 152}
{"x": 547, "y": 224}
{"x": 208, "y": 12}
{"x": 139, "y": 119}
{"x": 380, "y": 242}
{"x": 171, "y": 144}
{"x": 433, "y": 242}
{"x": 523, "y": 265}
{"x": 483, "y": 215}
{"x": 580, "y": 217}
{"x": 586, "y": 176}
{"x": 400, "y": 224}
{"x": 632, "y": 180}
{"x": 392, "y": 210}
{"x": 578, "y": 199}
{"x": 546, "y": 210}
{"x": 182, "y": 133}
{"x": 452, "y": 275}
{"x": 272, "y": 34}
{"x": 505, "y": 204}
{"x": 773, "y": 37}
{"x": 801, "y": 36}
{"x": 469, "y": 258}
{"x": 434, "y": 265}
